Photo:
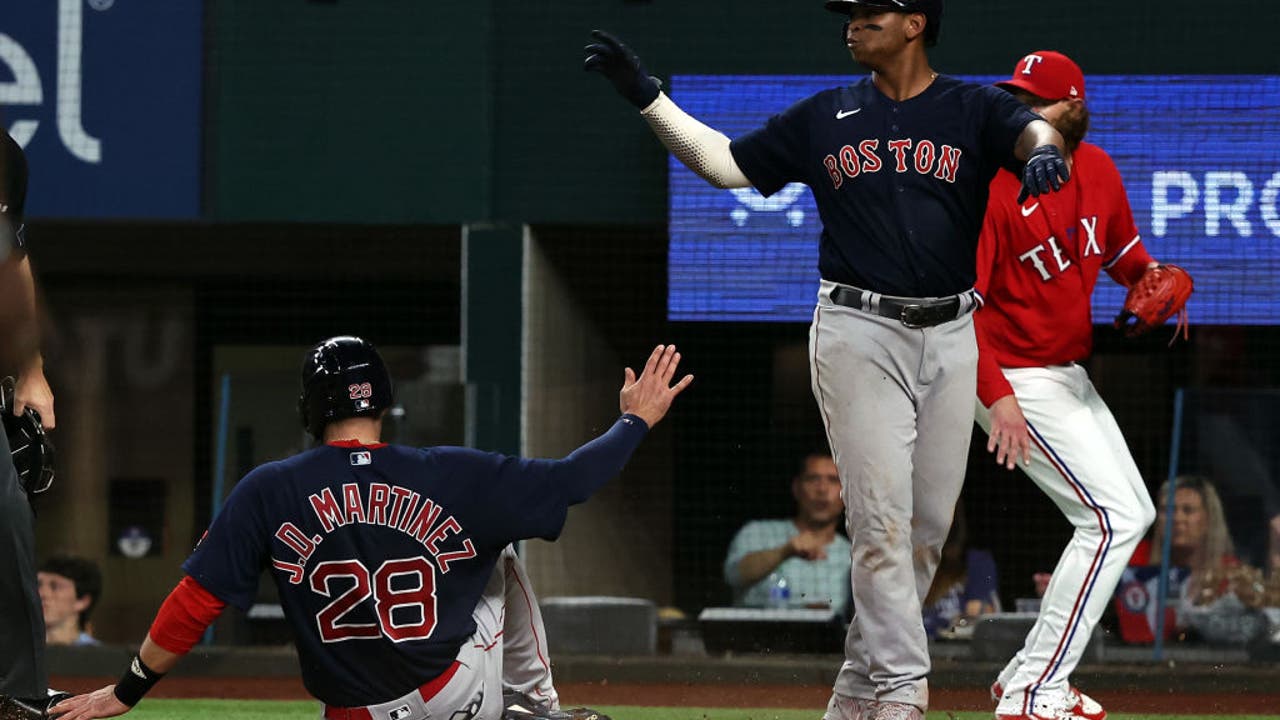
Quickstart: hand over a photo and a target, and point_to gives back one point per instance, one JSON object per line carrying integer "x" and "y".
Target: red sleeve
{"x": 992, "y": 384}
{"x": 1126, "y": 258}
{"x": 183, "y": 617}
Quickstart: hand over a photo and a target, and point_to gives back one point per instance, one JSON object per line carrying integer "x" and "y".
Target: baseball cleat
{"x": 1084, "y": 706}
{"x": 896, "y": 711}
{"x": 843, "y": 707}
{"x": 1081, "y": 705}
{"x": 518, "y": 706}
{"x": 12, "y": 708}
{"x": 1044, "y": 711}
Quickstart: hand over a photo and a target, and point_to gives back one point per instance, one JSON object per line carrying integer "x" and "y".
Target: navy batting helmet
{"x": 342, "y": 377}
{"x": 932, "y": 10}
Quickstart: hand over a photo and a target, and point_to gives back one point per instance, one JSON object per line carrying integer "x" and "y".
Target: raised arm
{"x": 702, "y": 149}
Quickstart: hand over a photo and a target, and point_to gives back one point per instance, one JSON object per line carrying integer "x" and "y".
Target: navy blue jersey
{"x": 901, "y": 186}
{"x": 381, "y": 553}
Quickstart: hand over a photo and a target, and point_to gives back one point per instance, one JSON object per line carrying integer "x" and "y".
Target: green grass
{"x": 157, "y": 709}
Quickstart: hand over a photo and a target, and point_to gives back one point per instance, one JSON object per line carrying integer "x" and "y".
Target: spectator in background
{"x": 1218, "y": 596}
{"x": 1200, "y": 538}
{"x": 805, "y": 551}
{"x": 965, "y": 587}
{"x": 69, "y": 589}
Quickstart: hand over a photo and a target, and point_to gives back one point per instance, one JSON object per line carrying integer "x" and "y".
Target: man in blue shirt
{"x": 804, "y": 550}
{"x": 69, "y": 589}
{"x": 899, "y": 163}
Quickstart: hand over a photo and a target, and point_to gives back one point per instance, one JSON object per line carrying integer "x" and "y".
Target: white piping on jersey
{"x": 702, "y": 149}
{"x": 1107, "y": 265}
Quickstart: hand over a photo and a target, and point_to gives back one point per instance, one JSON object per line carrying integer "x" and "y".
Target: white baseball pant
{"x": 1081, "y": 461}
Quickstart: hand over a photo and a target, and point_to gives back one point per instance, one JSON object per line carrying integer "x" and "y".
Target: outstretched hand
{"x": 650, "y": 395}
{"x": 1009, "y": 437}
{"x": 613, "y": 59}
{"x": 101, "y": 703}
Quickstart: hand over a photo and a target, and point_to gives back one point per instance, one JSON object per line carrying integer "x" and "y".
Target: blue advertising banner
{"x": 1200, "y": 156}
{"x": 105, "y": 96}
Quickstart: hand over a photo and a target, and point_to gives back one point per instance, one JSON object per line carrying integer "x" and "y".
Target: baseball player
{"x": 1038, "y": 262}
{"x": 23, "y": 674}
{"x": 899, "y": 164}
{"x": 384, "y": 555}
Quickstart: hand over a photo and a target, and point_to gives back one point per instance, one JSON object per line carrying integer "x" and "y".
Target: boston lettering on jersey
{"x": 942, "y": 162}
{"x": 901, "y": 186}
{"x": 380, "y": 504}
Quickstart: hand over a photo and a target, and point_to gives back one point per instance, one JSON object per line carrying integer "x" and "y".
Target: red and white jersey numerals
{"x": 404, "y": 612}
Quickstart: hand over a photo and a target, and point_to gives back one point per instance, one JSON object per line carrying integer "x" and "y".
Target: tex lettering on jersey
{"x": 380, "y": 504}
{"x": 1048, "y": 258}
{"x": 902, "y": 155}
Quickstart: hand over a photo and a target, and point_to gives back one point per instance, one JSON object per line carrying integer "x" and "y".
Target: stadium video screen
{"x": 1200, "y": 156}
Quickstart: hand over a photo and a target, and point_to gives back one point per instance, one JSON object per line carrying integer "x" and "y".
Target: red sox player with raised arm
{"x": 385, "y": 555}
{"x": 1038, "y": 262}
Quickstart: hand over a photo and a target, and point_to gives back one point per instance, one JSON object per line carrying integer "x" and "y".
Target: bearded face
{"x": 1069, "y": 117}
{"x": 1073, "y": 123}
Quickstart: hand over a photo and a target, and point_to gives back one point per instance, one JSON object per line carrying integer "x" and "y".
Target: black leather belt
{"x": 911, "y": 312}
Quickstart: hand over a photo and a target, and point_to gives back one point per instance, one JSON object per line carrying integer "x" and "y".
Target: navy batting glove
{"x": 616, "y": 61}
{"x": 1045, "y": 170}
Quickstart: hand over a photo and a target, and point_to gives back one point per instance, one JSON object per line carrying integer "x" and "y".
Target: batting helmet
{"x": 342, "y": 377}
{"x": 30, "y": 449}
{"x": 932, "y": 10}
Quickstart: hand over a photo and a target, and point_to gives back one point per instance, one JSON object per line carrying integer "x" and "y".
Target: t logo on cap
{"x": 1047, "y": 74}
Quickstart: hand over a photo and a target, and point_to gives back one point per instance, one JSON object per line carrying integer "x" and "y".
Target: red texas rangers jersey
{"x": 1038, "y": 263}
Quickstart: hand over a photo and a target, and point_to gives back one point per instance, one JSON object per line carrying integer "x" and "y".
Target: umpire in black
{"x": 24, "y": 679}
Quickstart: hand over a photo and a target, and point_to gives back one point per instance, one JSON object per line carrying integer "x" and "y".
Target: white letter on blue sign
{"x": 1161, "y": 209}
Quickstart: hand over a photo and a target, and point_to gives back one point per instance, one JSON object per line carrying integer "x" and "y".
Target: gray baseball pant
{"x": 897, "y": 403}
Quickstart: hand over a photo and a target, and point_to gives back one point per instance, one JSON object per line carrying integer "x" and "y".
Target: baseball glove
{"x": 30, "y": 448}
{"x": 1160, "y": 292}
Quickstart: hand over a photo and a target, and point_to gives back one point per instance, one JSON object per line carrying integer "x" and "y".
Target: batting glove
{"x": 616, "y": 61}
{"x": 1045, "y": 169}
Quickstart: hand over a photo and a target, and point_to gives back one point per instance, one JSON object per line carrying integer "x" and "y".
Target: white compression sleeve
{"x": 702, "y": 149}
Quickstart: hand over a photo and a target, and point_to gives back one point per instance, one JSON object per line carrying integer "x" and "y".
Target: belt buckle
{"x": 914, "y": 316}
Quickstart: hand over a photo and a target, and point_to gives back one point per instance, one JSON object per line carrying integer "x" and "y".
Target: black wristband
{"x": 135, "y": 682}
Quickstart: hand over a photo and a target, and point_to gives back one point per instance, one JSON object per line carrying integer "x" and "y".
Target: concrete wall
{"x": 572, "y": 374}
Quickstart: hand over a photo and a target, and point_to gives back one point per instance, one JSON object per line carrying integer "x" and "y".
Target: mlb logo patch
{"x": 361, "y": 457}
{"x": 399, "y": 713}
